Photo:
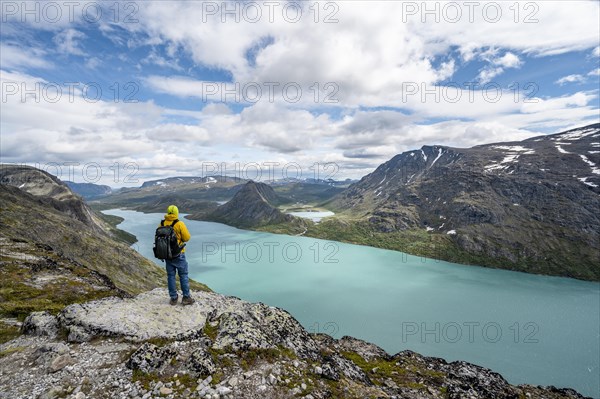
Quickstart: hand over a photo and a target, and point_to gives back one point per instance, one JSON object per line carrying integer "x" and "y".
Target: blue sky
{"x": 371, "y": 62}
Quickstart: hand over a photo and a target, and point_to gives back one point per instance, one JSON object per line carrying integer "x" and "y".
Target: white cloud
{"x": 50, "y": 127}
{"x": 155, "y": 59}
{"x": 576, "y": 78}
{"x": 509, "y": 60}
{"x": 93, "y": 63}
{"x": 172, "y": 132}
{"x": 497, "y": 65}
{"x": 594, "y": 72}
{"x": 369, "y": 55}
{"x": 18, "y": 57}
{"x": 596, "y": 52}
{"x": 68, "y": 41}
{"x": 487, "y": 74}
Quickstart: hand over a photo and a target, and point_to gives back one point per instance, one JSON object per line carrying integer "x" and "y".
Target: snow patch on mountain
{"x": 595, "y": 170}
{"x": 577, "y": 134}
{"x": 440, "y": 152}
{"x": 583, "y": 180}
{"x": 515, "y": 148}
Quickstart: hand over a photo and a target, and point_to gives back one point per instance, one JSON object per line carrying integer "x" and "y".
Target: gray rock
{"x": 52, "y": 393}
{"x": 202, "y": 362}
{"x": 78, "y": 334}
{"x": 60, "y": 362}
{"x": 40, "y": 323}
{"x": 223, "y": 390}
{"x": 150, "y": 358}
{"x": 233, "y": 381}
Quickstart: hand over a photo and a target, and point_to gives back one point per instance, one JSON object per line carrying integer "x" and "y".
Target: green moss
{"x": 148, "y": 380}
{"x": 8, "y": 332}
{"x": 20, "y": 298}
{"x": 159, "y": 341}
{"x": 211, "y": 331}
{"x": 249, "y": 358}
{"x": 406, "y": 375}
{"x": 10, "y": 351}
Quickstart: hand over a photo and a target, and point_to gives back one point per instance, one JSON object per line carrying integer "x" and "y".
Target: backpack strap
{"x": 162, "y": 222}
{"x": 174, "y": 223}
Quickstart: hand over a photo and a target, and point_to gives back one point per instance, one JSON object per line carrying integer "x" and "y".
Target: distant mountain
{"x": 190, "y": 194}
{"x": 306, "y": 192}
{"x": 206, "y": 182}
{"x": 200, "y": 195}
{"x": 254, "y": 205}
{"x": 89, "y": 190}
{"x": 531, "y": 205}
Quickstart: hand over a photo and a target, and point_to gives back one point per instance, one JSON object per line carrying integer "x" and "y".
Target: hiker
{"x": 178, "y": 263}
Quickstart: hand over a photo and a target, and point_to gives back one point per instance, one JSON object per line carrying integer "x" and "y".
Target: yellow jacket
{"x": 181, "y": 231}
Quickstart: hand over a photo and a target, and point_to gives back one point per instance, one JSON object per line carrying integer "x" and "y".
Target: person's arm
{"x": 183, "y": 231}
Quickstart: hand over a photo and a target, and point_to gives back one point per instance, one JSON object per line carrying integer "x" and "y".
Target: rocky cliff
{"x": 531, "y": 205}
{"x": 222, "y": 347}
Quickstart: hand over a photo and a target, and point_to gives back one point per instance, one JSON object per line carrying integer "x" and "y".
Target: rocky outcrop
{"x": 222, "y": 347}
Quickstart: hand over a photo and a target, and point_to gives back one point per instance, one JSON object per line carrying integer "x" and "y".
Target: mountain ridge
{"x": 530, "y": 204}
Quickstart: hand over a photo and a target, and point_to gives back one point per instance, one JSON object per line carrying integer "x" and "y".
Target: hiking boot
{"x": 187, "y": 300}
{"x": 173, "y": 301}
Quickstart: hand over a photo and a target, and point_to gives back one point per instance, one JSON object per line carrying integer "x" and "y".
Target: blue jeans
{"x": 179, "y": 265}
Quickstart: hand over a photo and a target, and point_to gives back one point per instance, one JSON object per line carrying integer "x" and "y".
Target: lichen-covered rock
{"x": 469, "y": 380}
{"x": 202, "y": 362}
{"x": 78, "y": 334}
{"x": 241, "y": 325}
{"x": 143, "y": 317}
{"x": 40, "y": 323}
{"x": 258, "y": 326}
{"x": 366, "y": 350}
{"x": 150, "y": 358}
{"x": 329, "y": 371}
{"x": 239, "y": 333}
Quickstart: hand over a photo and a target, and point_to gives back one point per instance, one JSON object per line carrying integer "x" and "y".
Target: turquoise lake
{"x": 531, "y": 329}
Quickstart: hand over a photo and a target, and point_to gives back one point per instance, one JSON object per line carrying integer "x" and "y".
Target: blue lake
{"x": 532, "y": 329}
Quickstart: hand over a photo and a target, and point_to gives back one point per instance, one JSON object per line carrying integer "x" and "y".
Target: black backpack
{"x": 165, "y": 242}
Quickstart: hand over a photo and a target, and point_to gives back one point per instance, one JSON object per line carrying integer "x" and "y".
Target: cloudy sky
{"x": 174, "y": 88}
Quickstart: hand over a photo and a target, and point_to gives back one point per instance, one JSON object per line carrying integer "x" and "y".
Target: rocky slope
{"x": 254, "y": 205}
{"x": 531, "y": 205}
{"x": 221, "y": 347}
{"x": 89, "y": 190}
{"x": 51, "y": 191}
{"x": 55, "y": 251}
